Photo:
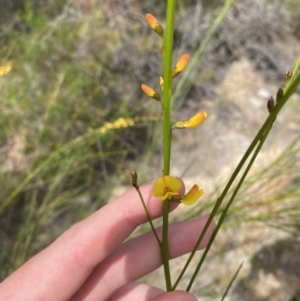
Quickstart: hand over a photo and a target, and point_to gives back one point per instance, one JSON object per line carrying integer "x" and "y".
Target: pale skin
{"x": 91, "y": 261}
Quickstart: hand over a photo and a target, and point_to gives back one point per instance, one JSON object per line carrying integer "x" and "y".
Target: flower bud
{"x": 271, "y": 104}
{"x": 279, "y": 95}
{"x": 288, "y": 76}
{"x": 133, "y": 179}
{"x": 153, "y": 23}
{"x": 181, "y": 64}
{"x": 150, "y": 92}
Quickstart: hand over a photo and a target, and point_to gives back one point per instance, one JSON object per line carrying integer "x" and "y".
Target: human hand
{"x": 91, "y": 261}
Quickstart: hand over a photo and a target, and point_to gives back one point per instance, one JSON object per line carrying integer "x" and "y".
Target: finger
{"x": 139, "y": 257}
{"x": 57, "y": 272}
{"x": 144, "y": 292}
{"x": 136, "y": 291}
{"x": 175, "y": 296}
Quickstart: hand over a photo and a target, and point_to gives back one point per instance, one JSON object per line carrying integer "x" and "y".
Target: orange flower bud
{"x": 150, "y": 92}
{"x": 192, "y": 122}
{"x": 153, "y": 23}
{"x": 181, "y": 64}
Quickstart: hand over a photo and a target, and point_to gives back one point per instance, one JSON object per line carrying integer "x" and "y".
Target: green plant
{"x": 61, "y": 100}
{"x": 167, "y": 187}
{"x": 65, "y": 135}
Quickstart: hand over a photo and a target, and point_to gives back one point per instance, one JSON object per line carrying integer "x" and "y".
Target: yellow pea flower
{"x": 192, "y": 196}
{"x": 166, "y": 187}
{"x": 153, "y": 23}
{"x": 150, "y": 92}
{"x": 192, "y": 122}
{"x": 181, "y": 64}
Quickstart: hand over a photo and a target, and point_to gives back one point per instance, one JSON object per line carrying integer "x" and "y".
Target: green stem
{"x": 224, "y": 212}
{"x": 148, "y": 215}
{"x": 210, "y": 218}
{"x": 261, "y": 135}
{"x": 232, "y": 281}
{"x": 167, "y": 65}
{"x": 165, "y": 247}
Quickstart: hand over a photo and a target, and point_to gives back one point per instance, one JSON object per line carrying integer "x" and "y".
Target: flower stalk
{"x": 167, "y": 188}
{"x": 167, "y": 86}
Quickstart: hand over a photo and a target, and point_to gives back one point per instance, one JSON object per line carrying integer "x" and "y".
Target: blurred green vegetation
{"x": 72, "y": 114}
{"x": 69, "y": 119}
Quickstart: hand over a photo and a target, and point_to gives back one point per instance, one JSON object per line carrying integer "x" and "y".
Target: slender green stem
{"x": 219, "y": 202}
{"x": 224, "y": 212}
{"x": 167, "y": 65}
{"x": 210, "y": 218}
{"x": 148, "y": 215}
{"x": 289, "y": 90}
{"x": 232, "y": 281}
{"x": 165, "y": 247}
{"x": 261, "y": 136}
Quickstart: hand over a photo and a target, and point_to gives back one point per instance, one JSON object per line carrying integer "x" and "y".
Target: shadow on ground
{"x": 275, "y": 274}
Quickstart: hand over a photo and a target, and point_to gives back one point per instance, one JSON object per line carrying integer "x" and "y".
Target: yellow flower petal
{"x": 159, "y": 188}
{"x": 166, "y": 187}
{"x": 193, "y": 122}
{"x": 172, "y": 184}
{"x": 196, "y": 120}
{"x": 192, "y": 196}
{"x": 168, "y": 195}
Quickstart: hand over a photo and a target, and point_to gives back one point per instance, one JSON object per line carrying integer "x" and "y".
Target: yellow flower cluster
{"x": 117, "y": 124}
{"x": 126, "y": 122}
{"x": 4, "y": 69}
{"x": 179, "y": 67}
{"x": 168, "y": 187}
